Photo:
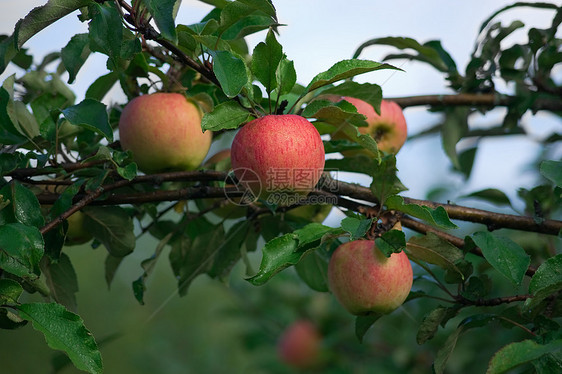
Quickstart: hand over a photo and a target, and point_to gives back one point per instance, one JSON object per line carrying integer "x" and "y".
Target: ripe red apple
{"x": 389, "y": 129}
{"x": 364, "y": 281}
{"x": 278, "y": 153}
{"x": 300, "y": 345}
{"x": 163, "y": 130}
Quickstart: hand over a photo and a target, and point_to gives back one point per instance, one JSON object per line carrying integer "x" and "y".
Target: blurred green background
{"x": 233, "y": 328}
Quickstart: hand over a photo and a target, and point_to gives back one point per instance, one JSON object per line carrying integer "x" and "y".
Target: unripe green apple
{"x": 77, "y": 232}
{"x": 389, "y": 129}
{"x": 278, "y": 154}
{"x": 314, "y": 213}
{"x": 163, "y": 130}
{"x": 364, "y": 281}
{"x": 300, "y": 345}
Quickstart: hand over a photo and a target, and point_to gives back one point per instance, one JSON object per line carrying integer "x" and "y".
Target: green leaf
{"x": 239, "y": 18}
{"x": 228, "y": 252}
{"x": 437, "y": 216}
{"x": 265, "y": 61}
{"x": 148, "y": 266}
{"x": 265, "y": 7}
{"x": 111, "y": 265}
{"x": 431, "y": 52}
{"x": 539, "y": 5}
{"x": 36, "y": 20}
{"x": 10, "y": 291}
{"x": 9, "y": 134}
{"x": 286, "y": 77}
{"x": 443, "y": 355}
{"x": 313, "y": 270}
{"x": 432, "y": 249}
{"x": 371, "y": 93}
{"x": 430, "y": 324}
{"x": 62, "y": 281}
{"x": 74, "y": 54}
{"x": 491, "y": 195}
{"x": 546, "y": 281}
{"x": 194, "y": 255}
{"x": 278, "y": 254}
{"x": 455, "y": 127}
{"x": 552, "y": 170}
{"x": 333, "y": 113}
{"x": 504, "y": 255}
{"x": 226, "y": 115}
{"x": 65, "y": 331}
{"x": 345, "y": 69}
{"x": 24, "y": 206}
{"x": 515, "y": 354}
{"x": 21, "y": 249}
{"x": 312, "y": 233}
{"x": 106, "y": 31}
{"x": 23, "y": 119}
{"x": 284, "y": 251}
{"x": 364, "y": 323}
{"x": 129, "y": 171}
{"x": 19, "y": 119}
{"x": 163, "y": 13}
{"x": 445, "y": 352}
{"x": 385, "y": 180}
{"x": 230, "y": 71}
{"x": 113, "y": 227}
{"x": 357, "y": 228}
{"x": 90, "y": 114}
{"x": 548, "y": 275}
{"x": 392, "y": 241}
{"x": 344, "y": 117}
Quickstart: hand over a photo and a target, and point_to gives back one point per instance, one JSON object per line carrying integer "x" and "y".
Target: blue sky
{"x": 322, "y": 32}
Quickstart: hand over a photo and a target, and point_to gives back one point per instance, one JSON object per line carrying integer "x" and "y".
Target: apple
{"x": 77, "y": 232}
{"x": 278, "y": 154}
{"x": 389, "y": 129}
{"x": 364, "y": 281}
{"x": 314, "y": 213}
{"x": 163, "y": 130}
{"x": 300, "y": 345}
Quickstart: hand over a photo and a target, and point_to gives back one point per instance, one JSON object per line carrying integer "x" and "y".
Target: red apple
{"x": 163, "y": 130}
{"x": 300, "y": 345}
{"x": 389, "y": 129}
{"x": 278, "y": 154}
{"x": 364, "y": 281}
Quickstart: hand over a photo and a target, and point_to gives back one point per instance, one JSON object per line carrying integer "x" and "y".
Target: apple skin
{"x": 389, "y": 129}
{"x": 364, "y": 281}
{"x": 314, "y": 213}
{"x": 77, "y": 233}
{"x": 300, "y": 345}
{"x": 275, "y": 148}
{"x": 163, "y": 130}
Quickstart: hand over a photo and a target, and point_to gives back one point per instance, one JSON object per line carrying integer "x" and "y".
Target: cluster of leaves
{"x": 500, "y": 72}
{"x": 59, "y": 157}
